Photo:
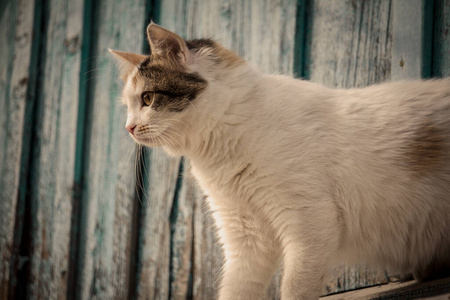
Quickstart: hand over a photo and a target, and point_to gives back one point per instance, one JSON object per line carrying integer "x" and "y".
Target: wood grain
{"x": 155, "y": 235}
{"x": 441, "y": 36}
{"x": 262, "y": 32}
{"x": 16, "y": 32}
{"x": 107, "y": 201}
{"x": 350, "y": 42}
{"x": 410, "y": 47}
{"x": 182, "y": 237}
{"x": 432, "y": 290}
{"x": 53, "y": 153}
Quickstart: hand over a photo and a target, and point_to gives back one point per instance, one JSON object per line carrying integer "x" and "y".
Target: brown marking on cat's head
{"x": 175, "y": 88}
{"x": 216, "y": 52}
{"x": 166, "y": 71}
{"x": 426, "y": 149}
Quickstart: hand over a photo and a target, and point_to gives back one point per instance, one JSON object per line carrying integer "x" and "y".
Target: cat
{"x": 297, "y": 173}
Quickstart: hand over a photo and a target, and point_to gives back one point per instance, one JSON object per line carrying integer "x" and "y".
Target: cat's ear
{"x": 127, "y": 61}
{"x": 166, "y": 43}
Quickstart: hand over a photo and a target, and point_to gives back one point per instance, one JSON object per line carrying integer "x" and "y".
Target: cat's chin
{"x": 149, "y": 142}
{"x": 153, "y": 143}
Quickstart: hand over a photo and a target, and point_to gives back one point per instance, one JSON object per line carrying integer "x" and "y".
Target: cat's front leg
{"x": 251, "y": 255}
{"x": 302, "y": 275}
{"x": 307, "y": 250}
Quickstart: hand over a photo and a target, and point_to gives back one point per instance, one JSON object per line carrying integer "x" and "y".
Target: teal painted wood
{"x": 109, "y": 175}
{"x": 441, "y": 36}
{"x": 350, "y": 42}
{"x": 300, "y": 47}
{"x": 411, "y": 52}
{"x": 161, "y": 173}
{"x": 80, "y": 148}
{"x": 16, "y": 32}
{"x": 53, "y": 156}
{"x": 262, "y": 32}
{"x": 350, "y": 45}
{"x": 182, "y": 236}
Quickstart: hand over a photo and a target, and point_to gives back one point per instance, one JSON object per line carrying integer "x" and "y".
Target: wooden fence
{"x": 84, "y": 214}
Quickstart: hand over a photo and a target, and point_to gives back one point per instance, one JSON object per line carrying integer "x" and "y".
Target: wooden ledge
{"x": 436, "y": 290}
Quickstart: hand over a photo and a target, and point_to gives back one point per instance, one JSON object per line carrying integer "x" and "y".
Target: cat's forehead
{"x": 134, "y": 85}
{"x": 159, "y": 75}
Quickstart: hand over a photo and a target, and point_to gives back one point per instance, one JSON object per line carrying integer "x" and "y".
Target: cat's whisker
{"x": 167, "y": 141}
{"x": 195, "y": 107}
{"x": 173, "y": 130}
{"x": 108, "y": 70}
{"x": 145, "y": 171}
{"x": 140, "y": 168}
{"x": 95, "y": 57}
{"x": 183, "y": 123}
{"x": 131, "y": 154}
{"x": 173, "y": 142}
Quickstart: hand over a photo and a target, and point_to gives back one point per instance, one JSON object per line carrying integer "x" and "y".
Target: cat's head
{"x": 176, "y": 88}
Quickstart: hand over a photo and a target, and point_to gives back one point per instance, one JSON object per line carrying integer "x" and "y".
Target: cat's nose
{"x": 130, "y": 128}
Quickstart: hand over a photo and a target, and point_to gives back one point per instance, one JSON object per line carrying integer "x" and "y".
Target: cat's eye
{"x": 148, "y": 98}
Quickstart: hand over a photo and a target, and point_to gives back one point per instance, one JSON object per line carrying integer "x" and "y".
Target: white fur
{"x": 309, "y": 176}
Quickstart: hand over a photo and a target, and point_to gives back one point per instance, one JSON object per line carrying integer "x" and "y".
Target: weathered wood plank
{"x": 432, "y": 290}
{"x": 54, "y": 151}
{"x": 441, "y": 36}
{"x": 350, "y": 42}
{"x": 262, "y": 32}
{"x": 109, "y": 179}
{"x": 410, "y": 52}
{"x": 154, "y": 240}
{"x": 16, "y": 21}
{"x": 350, "y": 45}
{"x": 182, "y": 236}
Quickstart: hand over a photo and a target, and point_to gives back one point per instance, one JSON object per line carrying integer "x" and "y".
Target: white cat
{"x": 299, "y": 173}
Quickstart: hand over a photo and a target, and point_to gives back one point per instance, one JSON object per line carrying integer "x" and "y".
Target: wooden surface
{"x": 412, "y": 43}
{"x": 350, "y": 42}
{"x": 53, "y": 150}
{"x": 432, "y": 290}
{"x": 84, "y": 214}
{"x": 16, "y": 32}
{"x": 441, "y": 42}
{"x": 109, "y": 175}
{"x": 159, "y": 183}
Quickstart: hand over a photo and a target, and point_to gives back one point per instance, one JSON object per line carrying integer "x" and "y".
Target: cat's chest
{"x": 227, "y": 183}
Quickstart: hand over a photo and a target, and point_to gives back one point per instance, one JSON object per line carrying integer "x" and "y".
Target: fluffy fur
{"x": 301, "y": 174}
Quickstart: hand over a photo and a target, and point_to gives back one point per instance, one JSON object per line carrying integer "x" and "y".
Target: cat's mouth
{"x": 150, "y": 141}
{"x": 154, "y": 140}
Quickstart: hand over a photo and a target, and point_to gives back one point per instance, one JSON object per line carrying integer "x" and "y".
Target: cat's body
{"x": 299, "y": 173}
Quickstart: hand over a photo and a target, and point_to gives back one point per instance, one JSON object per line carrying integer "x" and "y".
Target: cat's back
{"x": 407, "y": 120}
{"x": 401, "y": 99}
{"x": 398, "y": 128}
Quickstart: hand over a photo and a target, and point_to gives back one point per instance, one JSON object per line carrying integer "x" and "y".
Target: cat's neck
{"x": 214, "y": 136}
{"x": 221, "y": 132}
